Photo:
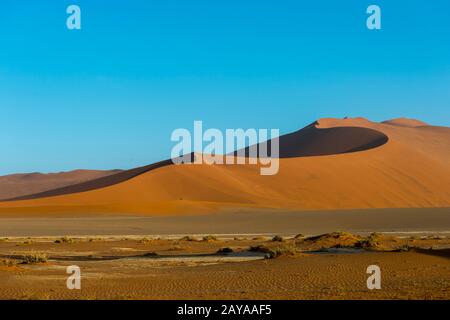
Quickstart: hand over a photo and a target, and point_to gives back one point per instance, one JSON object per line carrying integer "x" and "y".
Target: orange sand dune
{"x": 410, "y": 170}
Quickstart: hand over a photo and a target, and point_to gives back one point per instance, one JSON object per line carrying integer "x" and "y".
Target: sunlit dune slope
{"x": 411, "y": 169}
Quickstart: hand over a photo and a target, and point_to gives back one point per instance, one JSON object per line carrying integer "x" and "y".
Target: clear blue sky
{"x": 109, "y": 95}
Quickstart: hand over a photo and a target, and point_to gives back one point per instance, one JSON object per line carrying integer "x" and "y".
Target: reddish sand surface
{"x": 411, "y": 169}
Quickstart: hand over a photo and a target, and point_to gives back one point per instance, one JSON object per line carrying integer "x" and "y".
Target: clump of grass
{"x": 225, "y": 250}
{"x": 373, "y": 241}
{"x": 271, "y": 253}
{"x": 65, "y": 240}
{"x": 278, "y": 239}
{"x": 95, "y": 239}
{"x": 34, "y": 257}
{"x": 188, "y": 238}
{"x": 145, "y": 240}
{"x": 8, "y": 262}
{"x": 3, "y": 239}
{"x": 282, "y": 251}
{"x": 331, "y": 240}
{"x": 210, "y": 238}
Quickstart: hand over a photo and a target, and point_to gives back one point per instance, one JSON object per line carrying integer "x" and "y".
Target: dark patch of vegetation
{"x": 188, "y": 238}
{"x": 65, "y": 240}
{"x": 271, "y": 253}
{"x": 225, "y": 250}
{"x": 210, "y": 238}
{"x": 278, "y": 238}
{"x": 8, "y": 262}
{"x": 34, "y": 257}
{"x": 373, "y": 241}
{"x": 150, "y": 254}
{"x": 145, "y": 240}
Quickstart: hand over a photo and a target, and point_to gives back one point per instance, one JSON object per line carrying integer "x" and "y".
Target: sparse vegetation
{"x": 210, "y": 238}
{"x": 145, "y": 240}
{"x": 188, "y": 238}
{"x": 34, "y": 257}
{"x": 271, "y": 253}
{"x": 8, "y": 262}
{"x": 334, "y": 239}
{"x": 278, "y": 238}
{"x": 225, "y": 250}
{"x": 65, "y": 240}
{"x": 95, "y": 239}
{"x": 373, "y": 241}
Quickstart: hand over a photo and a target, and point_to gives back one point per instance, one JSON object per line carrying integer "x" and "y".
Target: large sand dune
{"x": 409, "y": 168}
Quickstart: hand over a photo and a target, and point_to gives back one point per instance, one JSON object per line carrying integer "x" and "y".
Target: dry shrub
{"x": 188, "y": 238}
{"x": 34, "y": 257}
{"x": 278, "y": 239}
{"x": 65, "y": 240}
{"x": 271, "y": 253}
{"x": 209, "y": 238}
{"x": 225, "y": 250}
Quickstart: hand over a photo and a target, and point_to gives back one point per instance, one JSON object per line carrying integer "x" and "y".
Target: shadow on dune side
{"x": 312, "y": 141}
{"x": 307, "y": 142}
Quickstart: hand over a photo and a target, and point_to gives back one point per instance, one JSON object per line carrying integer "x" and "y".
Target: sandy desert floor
{"x": 331, "y": 266}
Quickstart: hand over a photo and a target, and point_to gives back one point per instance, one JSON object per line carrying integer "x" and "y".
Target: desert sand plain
{"x": 332, "y": 266}
{"x": 126, "y": 229}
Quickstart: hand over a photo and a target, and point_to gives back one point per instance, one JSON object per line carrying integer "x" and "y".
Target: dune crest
{"x": 405, "y": 122}
{"x": 314, "y": 140}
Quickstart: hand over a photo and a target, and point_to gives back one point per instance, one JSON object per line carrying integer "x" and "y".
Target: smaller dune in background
{"x": 21, "y": 184}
